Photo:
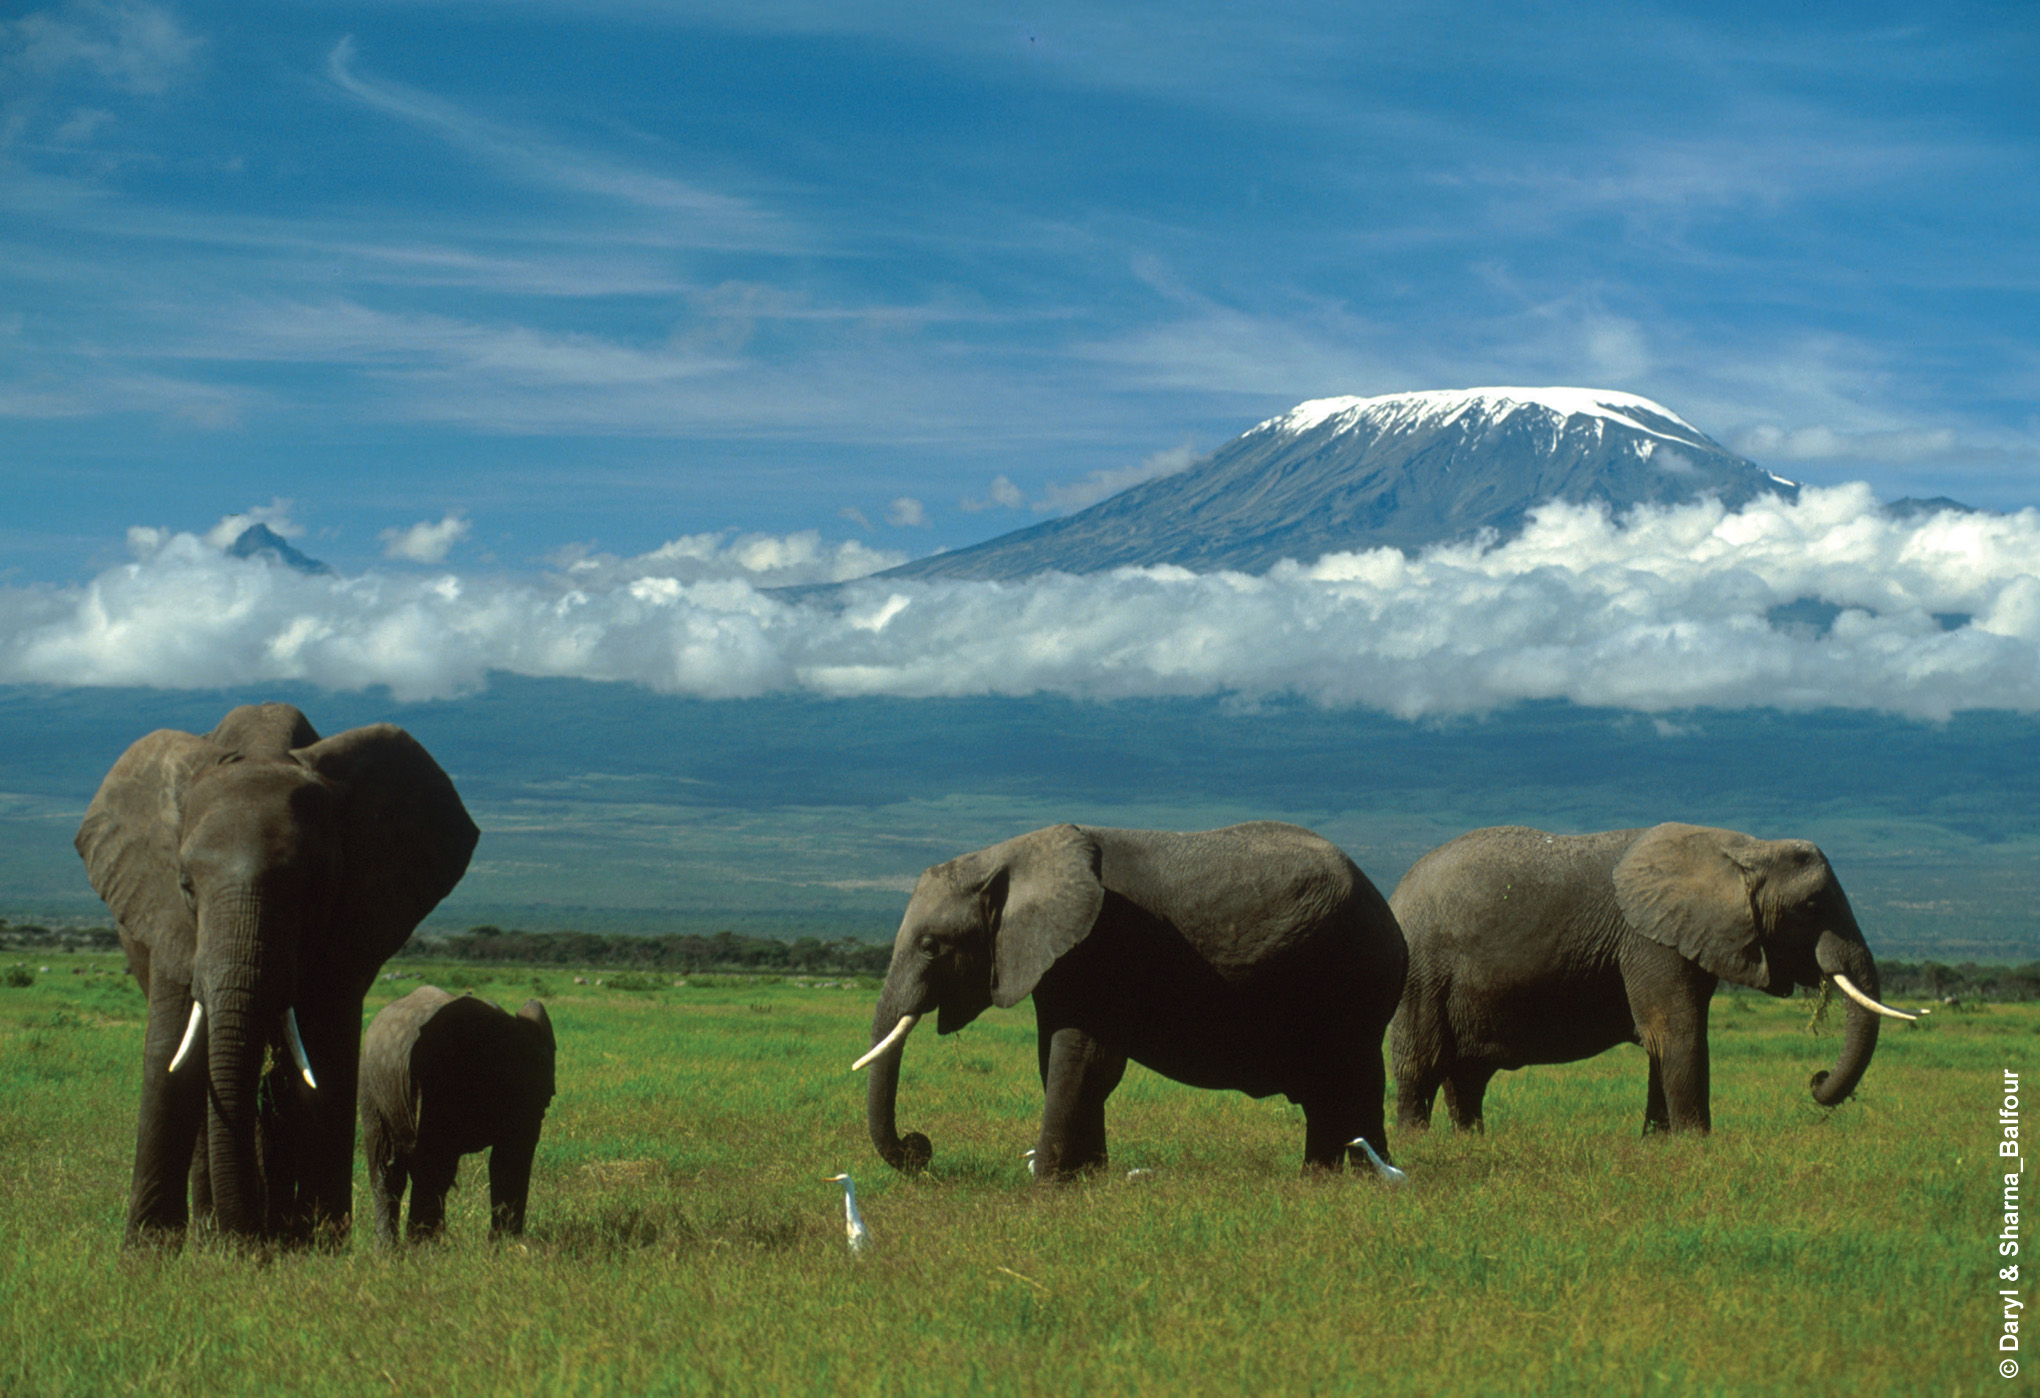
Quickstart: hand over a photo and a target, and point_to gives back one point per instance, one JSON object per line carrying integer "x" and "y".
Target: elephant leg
{"x": 1671, "y": 1024}
{"x": 386, "y": 1184}
{"x": 1414, "y": 1096}
{"x": 1686, "y": 1085}
{"x": 167, "y": 1131}
{"x": 1077, "y": 1074}
{"x": 1415, "y": 1050}
{"x": 510, "y": 1182}
{"x": 1353, "y": 1104}
{"x": 326, "y": 1118}
{"x": 201, "y": 1186}
{"x": 1656, "y": 1117}
{"x": 388, "y": 1173}
{"x": 1465, "y": 1090}
{"x": 432, "y": 1175}
{"x": 280, "y": 1130}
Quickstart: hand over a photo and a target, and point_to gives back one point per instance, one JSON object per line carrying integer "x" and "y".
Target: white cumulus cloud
{"x": 276, "y": 515}
{"x": 1657, "y": 611}
{"x": 425, "y": 542}
{"x": 907, "y": 511}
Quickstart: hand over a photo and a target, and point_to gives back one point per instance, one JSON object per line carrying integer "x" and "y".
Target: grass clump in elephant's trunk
{"x": 1848, "y": 964}
{"x": 911, "y": 1153}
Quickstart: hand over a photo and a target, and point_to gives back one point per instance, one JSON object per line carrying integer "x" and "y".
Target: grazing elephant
{"x": 441, "y": 1078}
{"x": 260, "y": 876}
{"x": 1257, "y": 958}
{"x": 1535, "y": 948}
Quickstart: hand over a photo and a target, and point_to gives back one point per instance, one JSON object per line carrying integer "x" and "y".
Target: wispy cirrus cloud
{"x": 542, "y": 159}
{"x": 129, "y": 46}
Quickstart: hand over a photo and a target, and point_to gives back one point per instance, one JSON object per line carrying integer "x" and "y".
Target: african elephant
{"x": 1527, "y": 947}
{"x": 259, "y": 877}
{"x": 1256, "y": 957}
{"x": 443, "y": 1077}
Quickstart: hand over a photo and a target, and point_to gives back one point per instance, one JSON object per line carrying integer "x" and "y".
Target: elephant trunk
{"x": 1841, "y": 956}
{"x": 245, "y": 992}
{"x": 234, "y": 1062}
{"x": 912, "y": 1153}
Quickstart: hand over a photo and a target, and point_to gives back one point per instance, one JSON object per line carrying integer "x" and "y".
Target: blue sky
{"x": 600, "y": 276}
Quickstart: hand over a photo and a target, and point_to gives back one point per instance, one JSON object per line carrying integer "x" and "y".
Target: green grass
{"x": 682, "y": 1240}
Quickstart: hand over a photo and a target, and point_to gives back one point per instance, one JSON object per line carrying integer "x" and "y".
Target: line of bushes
{"x": 692, "y": 954}
{"x": 687, "y": 954}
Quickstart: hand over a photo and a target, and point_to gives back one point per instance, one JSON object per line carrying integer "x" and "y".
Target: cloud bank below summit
{"x": 1661, "y": 609}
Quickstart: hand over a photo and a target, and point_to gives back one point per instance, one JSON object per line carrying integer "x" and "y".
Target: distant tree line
{"x": 689, "y": 953}
{"x": 725, "y": 952}
{"x": 29, "y": 936}
{"x": 728, "y": 952}
{"x": 1966, "y": 980}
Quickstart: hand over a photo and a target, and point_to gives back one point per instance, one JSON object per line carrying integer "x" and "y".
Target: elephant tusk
{"x": 297, "y": 1048}
{"x": 899, "y": 1032}
{"x": 1849, "y": 989}
{"x": 190, "y": 1037}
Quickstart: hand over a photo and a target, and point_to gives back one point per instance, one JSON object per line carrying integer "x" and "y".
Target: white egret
{"x": 1381, "y": 1167}
{"x": 853, "y": 1222}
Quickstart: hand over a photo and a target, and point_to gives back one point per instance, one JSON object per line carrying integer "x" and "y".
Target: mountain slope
{"x": 1405, "y": 470}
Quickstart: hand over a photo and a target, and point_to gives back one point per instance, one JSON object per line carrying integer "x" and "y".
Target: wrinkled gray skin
{"x": 443, "y": 1077}
{"x": 1527, "y": 947}
{"x": 257, "y": 869}
{"x": 1256, "y": 958}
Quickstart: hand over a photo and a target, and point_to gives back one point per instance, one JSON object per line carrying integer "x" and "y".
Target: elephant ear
{"x": 1045, "y": 896}
{"x": 1683, "y": 887}
{"x": 129, "y": 840}
{"x": 406, "y": 837}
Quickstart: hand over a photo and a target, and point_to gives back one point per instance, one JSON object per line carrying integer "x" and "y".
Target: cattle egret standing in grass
{"x": 1381, "y": 1167}
{"x": 853, "y": 1222}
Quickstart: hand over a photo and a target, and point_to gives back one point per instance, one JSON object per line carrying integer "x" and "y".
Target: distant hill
{"x": 1406, "y": 470}
{"x": 260, "y": 541}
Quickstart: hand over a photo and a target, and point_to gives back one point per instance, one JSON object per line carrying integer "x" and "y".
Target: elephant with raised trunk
{"x": 1257, "y": 958}
{"x": 1527, "y": 947}
{"x": 444, "y": 1076}
{"x": 259, "y": 877}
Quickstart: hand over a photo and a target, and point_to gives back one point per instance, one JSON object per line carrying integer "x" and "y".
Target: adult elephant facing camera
{"x": 260, "y": 876}
{"x": 1257, "y": 958}
{"x": 1527, "y": 947}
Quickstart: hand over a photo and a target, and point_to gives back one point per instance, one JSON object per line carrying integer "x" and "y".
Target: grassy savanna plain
{"x": 682, "y": 1239}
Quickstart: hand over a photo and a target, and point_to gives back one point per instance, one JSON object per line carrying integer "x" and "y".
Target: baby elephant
{"x": 441, "y": 1078}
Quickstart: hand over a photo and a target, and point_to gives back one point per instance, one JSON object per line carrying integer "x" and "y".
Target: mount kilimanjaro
{"x": 1406, "y": 470}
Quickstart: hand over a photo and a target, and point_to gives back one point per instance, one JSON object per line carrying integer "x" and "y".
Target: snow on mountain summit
{"x": 1437, "y": 407}
{"x": 1403, "y": 470}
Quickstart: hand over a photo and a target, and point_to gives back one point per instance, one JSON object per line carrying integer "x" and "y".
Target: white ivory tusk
{"x": 297, "y": 1048}
{"x": 899, "y": 1032}
{"x": 1866, "y": 1002}
{"x": 190, "y": 1037}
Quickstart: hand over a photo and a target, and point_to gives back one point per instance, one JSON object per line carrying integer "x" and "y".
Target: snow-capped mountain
{"x": 1405, "y": 469}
